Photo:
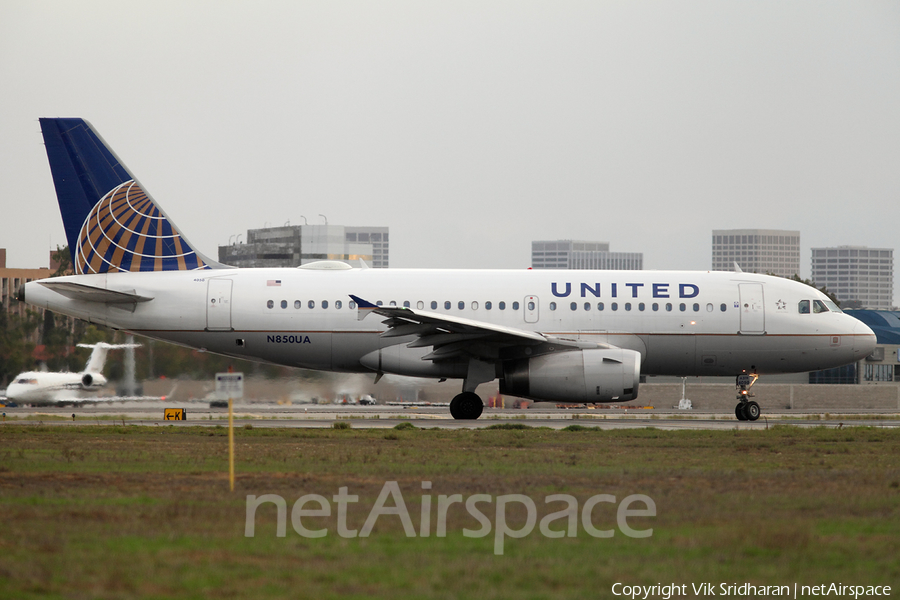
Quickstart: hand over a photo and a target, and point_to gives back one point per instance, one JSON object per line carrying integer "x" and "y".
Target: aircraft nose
{"x": 863, "y": 339}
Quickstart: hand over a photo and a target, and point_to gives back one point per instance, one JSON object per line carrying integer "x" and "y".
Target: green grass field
{"x": 135, "y": 512}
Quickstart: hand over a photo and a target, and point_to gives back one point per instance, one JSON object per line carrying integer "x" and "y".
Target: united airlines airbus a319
{"x": 560, "y": 336}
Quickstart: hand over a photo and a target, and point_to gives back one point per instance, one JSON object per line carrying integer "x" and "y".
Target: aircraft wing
{"x": 89, "y": 293}
{"x": 454, "y": 336}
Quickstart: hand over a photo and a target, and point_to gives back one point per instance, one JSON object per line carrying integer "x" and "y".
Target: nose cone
{"x": 863, "y": 339}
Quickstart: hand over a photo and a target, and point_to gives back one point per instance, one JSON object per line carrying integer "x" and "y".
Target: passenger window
{"x": 460, "y": 305}
{"x": 488, "y": 305}
{"x": 696, "y": 307}
{"x": 515, "y": 306}
{"x": 655, "y": 306}
{"x": 599, "y": 306}
{"x": 393, "y": 303}
{"x": 474, "y": 305}
{"x": 531, "y": 306}
{"x": 668, "y": 306}
{"x": 819, "y": 306}
{"x": 501, "y": 305}
{"x": 337, "y": 304}
{"x": 722, "y": 307}
{"x": 709, "y": 308}
{"x": 284, "y": 304}
{"x": 628, "y": 306}
{"x": 270, "y": 304}
{"x": 641, "y": 306}
{"x": 352, "y": 305}
{"x": 614, "y": 306}
{"x": 587, "y": 306}
{"x": 682, "y": 307}
{"x": 803, "y": 307}
{"x": 311, "y": 304}
{"x": 406, "y": 304}
{"x": 553, "y": 306}
{"x": 433, "y": 305}
{"x": 324, "y": 303}
{"x": 420, "y": 305}
{"x": 379, "y": 303}
{"x": 446, "y": 305}
{"x": 573, "y": 306}
{"x": 297, "y": 304}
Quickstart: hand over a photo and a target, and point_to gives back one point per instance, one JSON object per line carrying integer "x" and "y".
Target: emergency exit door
{"x": 532, "y": 309}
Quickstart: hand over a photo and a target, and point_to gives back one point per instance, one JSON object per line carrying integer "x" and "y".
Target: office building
{"x": 11, "y": 279}
{"x": 579, "y": 254}
{"x": 295, "y": 245}
{"x": 858, "y": 276}
{"x": 767, "y": 251}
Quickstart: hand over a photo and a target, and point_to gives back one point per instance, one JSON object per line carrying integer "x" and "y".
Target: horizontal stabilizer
{"x": 88, "y": 293}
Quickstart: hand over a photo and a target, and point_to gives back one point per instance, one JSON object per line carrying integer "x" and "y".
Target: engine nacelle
{"x": 92, "y": 381}
{"x": 577, "y": 376}
{"x": 402, "y": 360}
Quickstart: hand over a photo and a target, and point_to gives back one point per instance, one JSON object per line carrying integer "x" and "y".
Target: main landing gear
{"x": 467, "y": 405}
{"x": 746, "y": 409}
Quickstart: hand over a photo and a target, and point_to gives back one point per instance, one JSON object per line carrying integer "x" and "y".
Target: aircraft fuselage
{"x": 681, "y": 322}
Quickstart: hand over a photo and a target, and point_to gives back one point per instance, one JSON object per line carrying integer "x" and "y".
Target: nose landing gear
{"x": 746, "y": 409}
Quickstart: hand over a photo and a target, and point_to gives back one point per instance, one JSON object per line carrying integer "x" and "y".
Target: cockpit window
{"x": 819, "y": 306}
{"x": 803, "y": 307}
{"x": 832, "y": 306}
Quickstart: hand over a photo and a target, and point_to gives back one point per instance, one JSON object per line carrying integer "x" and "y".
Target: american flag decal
{"x": 273, "y": 282}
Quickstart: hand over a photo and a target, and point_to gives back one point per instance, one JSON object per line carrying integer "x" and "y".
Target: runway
{"x": 385, "y": 417}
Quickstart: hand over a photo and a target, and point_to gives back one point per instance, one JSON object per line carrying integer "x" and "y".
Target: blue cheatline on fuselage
{"x": 111, "y": 223}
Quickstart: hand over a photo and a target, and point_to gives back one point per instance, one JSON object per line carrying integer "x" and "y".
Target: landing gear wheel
{"x": 467, "y": 405}
{"x": 739, "y": 412}
{"x": 751, "y": 411}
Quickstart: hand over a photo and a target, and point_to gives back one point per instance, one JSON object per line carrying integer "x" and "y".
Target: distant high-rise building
{"x": 856, "y": 274}
{"x": 295, "y": 245}
{"x": 772, "y": 251}
{"x": 578, "y": 254}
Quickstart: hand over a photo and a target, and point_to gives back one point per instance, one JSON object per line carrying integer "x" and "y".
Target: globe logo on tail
{"x": 126, "y": 231}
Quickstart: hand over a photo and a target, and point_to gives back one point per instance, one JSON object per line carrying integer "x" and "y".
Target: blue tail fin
{"x": 111, "y": 223}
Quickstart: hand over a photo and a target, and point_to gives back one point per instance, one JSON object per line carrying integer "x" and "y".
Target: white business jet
{"x": 559, "y": 336}
{"x": 42, "y": 386}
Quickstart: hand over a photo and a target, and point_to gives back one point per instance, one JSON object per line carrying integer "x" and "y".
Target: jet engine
{"x": 592, "y": 375}
{"x": 92, "y": 381}
{"x": 86, "y": 380}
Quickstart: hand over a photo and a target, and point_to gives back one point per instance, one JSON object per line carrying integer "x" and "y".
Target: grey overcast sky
{"x": 469, "y": 128}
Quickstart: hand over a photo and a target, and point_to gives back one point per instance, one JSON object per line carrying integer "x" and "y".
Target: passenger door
{"x": 753, "y": 314}
{"x": 218, "y": 305}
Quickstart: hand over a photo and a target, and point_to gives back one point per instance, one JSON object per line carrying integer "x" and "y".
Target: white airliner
{"x": 40, "y": 386}
{"x": 560, "y": 336}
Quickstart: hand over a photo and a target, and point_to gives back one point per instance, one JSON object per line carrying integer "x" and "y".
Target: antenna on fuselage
{"x": 737, "y": 268}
